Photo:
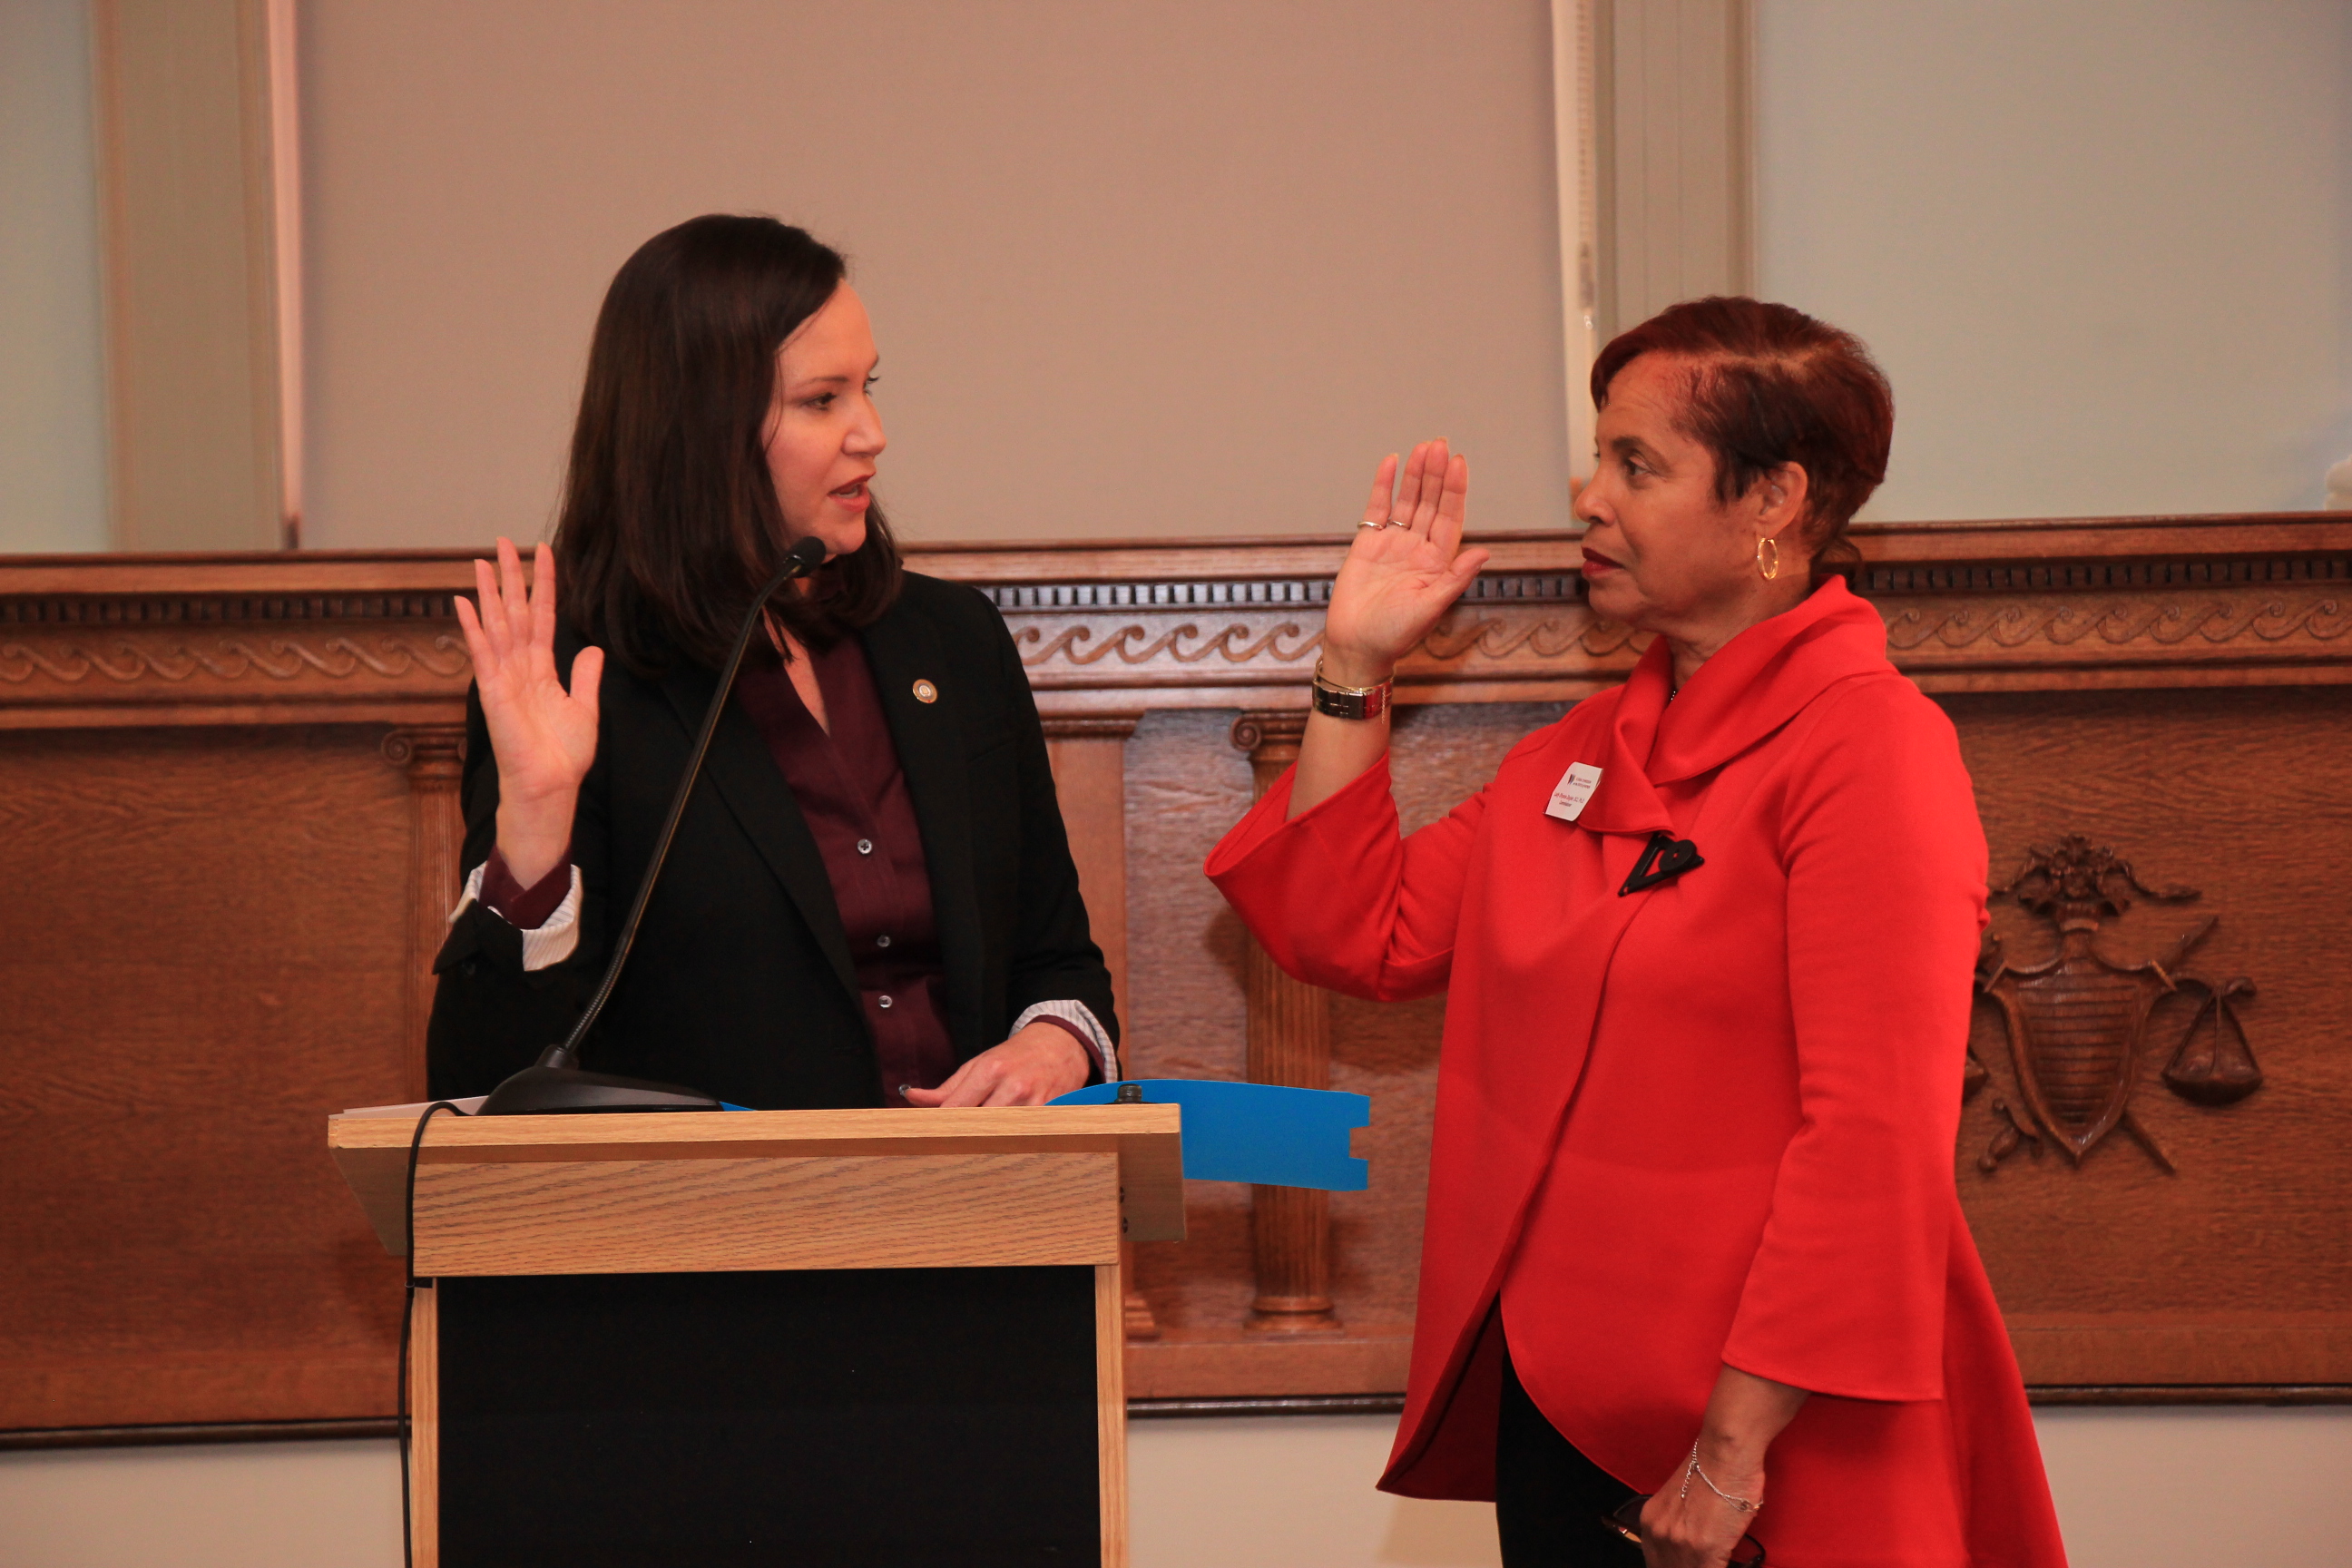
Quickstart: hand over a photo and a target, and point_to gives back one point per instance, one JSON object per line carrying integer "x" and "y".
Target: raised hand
{"x": 544, "y": 736}
{"x": 1405, "y": 568}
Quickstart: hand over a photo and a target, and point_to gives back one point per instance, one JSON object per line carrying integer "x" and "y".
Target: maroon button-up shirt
{"x": 854, "y": 797}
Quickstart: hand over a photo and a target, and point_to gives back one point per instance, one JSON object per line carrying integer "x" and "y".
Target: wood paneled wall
{"x": 228, "y": 838}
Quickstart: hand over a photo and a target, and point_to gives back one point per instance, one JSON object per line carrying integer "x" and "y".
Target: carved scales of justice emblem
{"x": 2078, "y": 1024}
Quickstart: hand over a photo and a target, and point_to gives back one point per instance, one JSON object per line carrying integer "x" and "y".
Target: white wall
{"x": 238, "y": 1505}
{"x": 2104, "y": 249}
{"x": 1180, "y": 268}
{"x": 2136, "y": 1488}
{"x": 52, "y": 361}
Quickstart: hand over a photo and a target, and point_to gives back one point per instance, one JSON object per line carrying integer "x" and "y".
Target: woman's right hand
{"x": 1396, "y": 580}
{"x": 544, "y": 736}
{"x": 1404, "y": 568}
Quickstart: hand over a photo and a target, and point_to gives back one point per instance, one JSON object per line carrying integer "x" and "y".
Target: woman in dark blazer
{"x": 870, "y": 899}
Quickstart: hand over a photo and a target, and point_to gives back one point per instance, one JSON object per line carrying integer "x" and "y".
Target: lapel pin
{"x": 926, "y": 692}
{"x": 1665, "y": 859}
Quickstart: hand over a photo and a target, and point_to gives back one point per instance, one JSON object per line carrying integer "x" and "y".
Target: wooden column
{"x": 1088, "y": 754}
{"x": 433, "y": 756}
{"x": 1289, "y": 1043}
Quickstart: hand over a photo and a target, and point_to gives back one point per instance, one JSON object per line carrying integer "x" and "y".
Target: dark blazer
{"x": 740, "y": 982}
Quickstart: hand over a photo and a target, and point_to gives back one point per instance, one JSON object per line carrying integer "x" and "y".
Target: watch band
{"x": 1349, "y": 701}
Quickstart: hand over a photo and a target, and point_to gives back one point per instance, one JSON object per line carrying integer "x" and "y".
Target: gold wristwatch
{"x": 1349, "y": 701}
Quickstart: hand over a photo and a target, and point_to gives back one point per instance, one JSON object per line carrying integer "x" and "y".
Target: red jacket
{"x": 1707, "y": 1121}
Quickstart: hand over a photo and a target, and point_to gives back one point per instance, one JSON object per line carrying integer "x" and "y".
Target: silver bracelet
{"x": 1349, "y": 701}
{"x": 1741, "y": 1503}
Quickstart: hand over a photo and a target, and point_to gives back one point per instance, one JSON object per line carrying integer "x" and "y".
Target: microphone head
{"x": 806, "y": 555}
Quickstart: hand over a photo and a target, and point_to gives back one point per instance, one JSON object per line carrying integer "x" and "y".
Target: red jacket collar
{"x": 1756, "y": 683}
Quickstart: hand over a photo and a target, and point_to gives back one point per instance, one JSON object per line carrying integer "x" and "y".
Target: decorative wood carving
{"x": 196, "y": 746}
{"x": 1117, "y": 628}
{"x": 1289, "y": 1043}
{"x": 231, "y": 659}
{"x": 2078, "y": 1022}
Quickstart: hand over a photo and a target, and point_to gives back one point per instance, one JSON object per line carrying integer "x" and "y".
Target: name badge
{"x": 1575, "y": 787}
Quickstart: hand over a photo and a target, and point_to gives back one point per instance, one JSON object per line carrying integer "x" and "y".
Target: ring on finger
{"x": 1398, "y": 522}
{"x": 1372, "y": 522}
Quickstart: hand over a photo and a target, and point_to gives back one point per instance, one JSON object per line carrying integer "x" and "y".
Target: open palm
{"x": 1406, "y": 566}
{"x": 544, "y": 736}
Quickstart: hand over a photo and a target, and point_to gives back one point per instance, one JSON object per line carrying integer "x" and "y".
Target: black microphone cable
{"x": 804, "y": 557}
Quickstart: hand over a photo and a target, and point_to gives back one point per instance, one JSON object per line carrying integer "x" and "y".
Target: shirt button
{"x": 881, "y": 941}
{"x": 884, "y": 1003}
{"x": 865, "y": 846}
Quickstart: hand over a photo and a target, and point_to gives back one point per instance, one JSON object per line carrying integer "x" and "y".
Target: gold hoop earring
{"x": 1772, "y": 569}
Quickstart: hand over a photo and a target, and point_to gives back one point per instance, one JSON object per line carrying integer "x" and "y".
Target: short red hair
{"x": 1770, "y": 385}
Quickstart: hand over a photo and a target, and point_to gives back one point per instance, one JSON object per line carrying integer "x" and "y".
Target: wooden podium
{"x": 808, "y": 1337}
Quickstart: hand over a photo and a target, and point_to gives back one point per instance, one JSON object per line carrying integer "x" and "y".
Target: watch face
{"x": 1344, "y": 704}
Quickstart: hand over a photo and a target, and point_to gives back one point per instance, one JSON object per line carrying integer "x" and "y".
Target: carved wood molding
{"x": 2083, "y": 1024}
{"x": 1110, "y": 629}
{"x": 358, "y": 639}
{"x": 1089, "y": 727}
{"x": 126, "y": 660}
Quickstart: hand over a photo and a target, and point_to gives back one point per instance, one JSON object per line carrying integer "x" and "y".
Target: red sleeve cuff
{"x": 525, "y": 909}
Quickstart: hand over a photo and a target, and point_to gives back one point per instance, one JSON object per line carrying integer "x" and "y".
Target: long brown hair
{"x": 1770, "y": 385}
{"x": 670, "y": 521}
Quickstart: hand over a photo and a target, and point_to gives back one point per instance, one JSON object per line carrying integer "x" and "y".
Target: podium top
{"x": 373, "y": 1151}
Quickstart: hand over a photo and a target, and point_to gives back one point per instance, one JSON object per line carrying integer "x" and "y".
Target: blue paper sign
{"x": 1260, "y": 1132}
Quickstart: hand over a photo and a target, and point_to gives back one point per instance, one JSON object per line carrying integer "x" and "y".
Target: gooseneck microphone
{"x": 553, "y": 1084}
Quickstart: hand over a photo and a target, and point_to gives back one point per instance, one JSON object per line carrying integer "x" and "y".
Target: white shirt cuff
{"x": 553, "y": 942}
{"x": 1081, "y": 1018}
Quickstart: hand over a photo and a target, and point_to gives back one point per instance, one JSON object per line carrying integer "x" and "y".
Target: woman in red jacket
{"x": 1707, "y": 946}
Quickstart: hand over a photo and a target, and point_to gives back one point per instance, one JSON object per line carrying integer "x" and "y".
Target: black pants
{"x": 1548, "y": 1498}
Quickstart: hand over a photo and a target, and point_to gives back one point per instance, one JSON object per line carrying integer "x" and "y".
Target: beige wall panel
{"x": 184, "y": 118}
{"x": 1172, "y": 269}
{"x": 52, "y": 373}
{"x": 2103, "y": 252}
{"x": 1672, "y": 120}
